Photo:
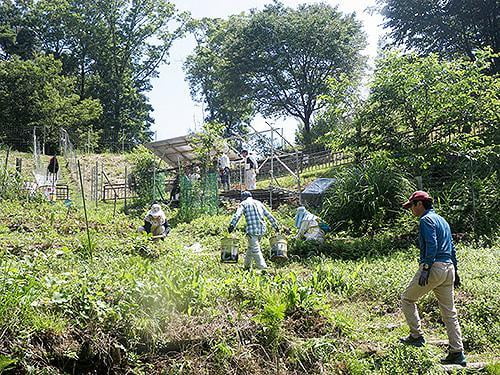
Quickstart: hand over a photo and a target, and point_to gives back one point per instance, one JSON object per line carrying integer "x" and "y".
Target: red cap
{"x": 419, "y": 195}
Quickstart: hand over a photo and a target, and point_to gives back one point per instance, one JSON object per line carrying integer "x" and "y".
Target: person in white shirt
{"x": 224, "y": 165}
{"x": 195, "y": 174}
{"x": 251, "y": 168}
{"x": 155, "y": 222}
{"x": 308, "y": 226}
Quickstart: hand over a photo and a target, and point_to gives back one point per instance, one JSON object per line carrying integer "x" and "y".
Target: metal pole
{"x": 298, "y": 176}
{"x": 271, "y": 171}
{"x": 91, "y": 183}
{"x": 126, "y": 185}
{"x": 101, "y": 180}
{"x": 85, "y": 209}
{"x": 154, "y": 182}
{"x": 96, "y": 183}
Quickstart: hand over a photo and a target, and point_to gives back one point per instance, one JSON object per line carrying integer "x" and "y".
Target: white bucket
{"x": 279, "y": 247}
{"x": 229, "y": 250}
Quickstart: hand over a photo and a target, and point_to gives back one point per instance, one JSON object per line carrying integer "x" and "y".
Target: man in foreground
{"x": 437, "y": 272}
{"x": 254, "y": 212}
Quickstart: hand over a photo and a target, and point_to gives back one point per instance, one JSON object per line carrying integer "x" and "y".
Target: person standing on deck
{"x": 251, "y": 168}
{"x": 224, "y": 165}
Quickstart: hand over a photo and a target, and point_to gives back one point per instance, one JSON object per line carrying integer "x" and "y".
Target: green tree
{"x": 113, "y": 49}
{"x": 417, "y": 102}
{"x": 16, "y": 38}
{"x": 207, "y": 143}
{"x": 213, "y": 80}
{"x": 333, "y": 127}
{"x": 34, "y": 93}
{"x": 280, "y": 58}
{"x": 448, "y": 27}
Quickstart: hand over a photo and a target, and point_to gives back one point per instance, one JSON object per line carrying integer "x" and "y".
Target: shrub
{"x": 367, "y": 198}
{"x": 148, "y": 184}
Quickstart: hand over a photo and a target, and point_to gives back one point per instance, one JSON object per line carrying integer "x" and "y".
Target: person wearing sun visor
{"x": 437, "y": 272}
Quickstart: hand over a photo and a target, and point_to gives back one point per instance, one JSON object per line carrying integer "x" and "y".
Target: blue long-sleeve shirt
{"x": 436, "y": 243}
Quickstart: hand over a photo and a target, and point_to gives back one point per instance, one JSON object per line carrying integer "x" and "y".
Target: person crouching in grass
{"x": 437, "y": 272}
{"x": 155, "y": 222}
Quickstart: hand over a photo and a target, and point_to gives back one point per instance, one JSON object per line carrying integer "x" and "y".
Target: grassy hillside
{"x": 148, "y": 308}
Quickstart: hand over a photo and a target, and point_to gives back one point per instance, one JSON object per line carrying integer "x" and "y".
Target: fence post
{"x": 4, "y": 176}
{"x": 85, "y": 211}
{"x": 125, "y": 195}
{"x": 19, "y": 165}
{"x": 96, "y": 189}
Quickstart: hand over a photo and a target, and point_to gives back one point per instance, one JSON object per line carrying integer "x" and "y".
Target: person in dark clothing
{"x": 53, "y": 166}
{"x": 52, "y": 170}
{"x": 176, "y": 189}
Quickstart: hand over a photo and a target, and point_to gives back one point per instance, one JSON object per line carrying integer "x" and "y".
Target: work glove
{"x": 457, "y": 282}
{"x": 230, "y": 228}
{"x": 423, "y": 280}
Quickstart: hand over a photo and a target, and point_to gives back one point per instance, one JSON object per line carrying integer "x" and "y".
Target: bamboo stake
{"x": 85, "y": 209}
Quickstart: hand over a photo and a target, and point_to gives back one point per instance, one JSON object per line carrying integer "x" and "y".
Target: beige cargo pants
{"x": 254, "y": 254}
{"x": 441, "y": 278}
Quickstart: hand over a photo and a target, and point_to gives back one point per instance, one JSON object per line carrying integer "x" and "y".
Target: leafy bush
{"x": 148, "y": 184}
{"x": 367, "y": 198}
{"x": 465, "y": 187}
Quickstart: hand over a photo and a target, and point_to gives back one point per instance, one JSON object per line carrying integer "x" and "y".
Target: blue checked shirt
{"x": 254, "y": 212}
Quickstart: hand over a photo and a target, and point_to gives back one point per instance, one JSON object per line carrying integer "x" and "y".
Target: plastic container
{"x": 229, "y": 250}
{"x": 279, "y": 247}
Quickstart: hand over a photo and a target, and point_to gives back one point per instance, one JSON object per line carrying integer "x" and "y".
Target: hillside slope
{"x": 127, "y": 305}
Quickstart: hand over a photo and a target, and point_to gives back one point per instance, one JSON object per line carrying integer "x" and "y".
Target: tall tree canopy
{"x": 34, "y": 93}
{"x": 212, "y": 77}
{"x": 277, "y": 59}
{"x": 448, "y": 27}
{"x": 112, "y": 47}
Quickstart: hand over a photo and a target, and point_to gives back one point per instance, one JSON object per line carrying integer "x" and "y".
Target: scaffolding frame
{"x": 275, "y": 154}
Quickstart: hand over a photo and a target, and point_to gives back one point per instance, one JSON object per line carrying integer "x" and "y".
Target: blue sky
{"x": 175, "y": 113}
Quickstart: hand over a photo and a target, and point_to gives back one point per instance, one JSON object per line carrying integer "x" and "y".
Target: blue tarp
{"x": 314, "y": 192}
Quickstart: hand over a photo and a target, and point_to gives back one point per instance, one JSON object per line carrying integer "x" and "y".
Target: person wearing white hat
{"x": 308, "y": 226}
{"x": 155, "y": 222}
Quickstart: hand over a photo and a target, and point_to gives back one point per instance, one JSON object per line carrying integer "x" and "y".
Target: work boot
{"x": 456, "y": 358}
{"x": 413, "y": 341}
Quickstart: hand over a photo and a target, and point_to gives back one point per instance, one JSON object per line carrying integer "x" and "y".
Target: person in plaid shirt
{"x": 254, "y": 212}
